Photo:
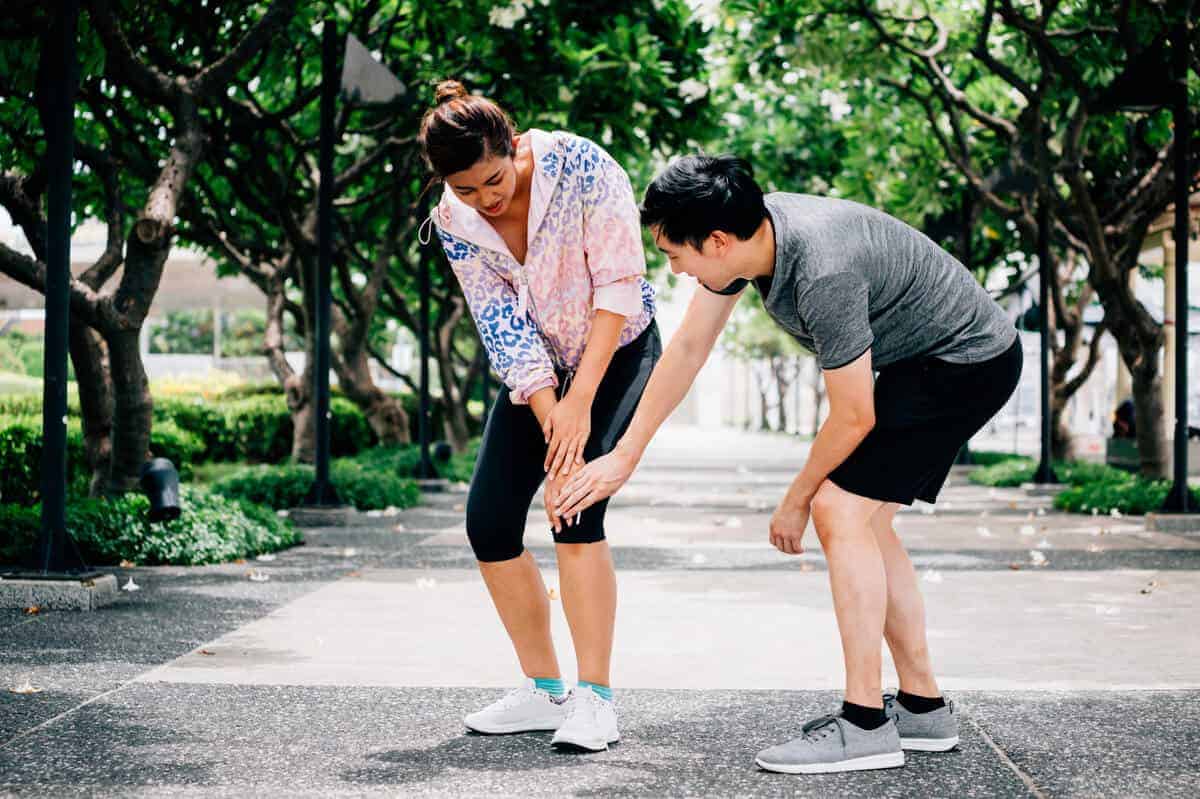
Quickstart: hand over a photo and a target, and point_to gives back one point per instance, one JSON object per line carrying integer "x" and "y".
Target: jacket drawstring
{"x": 425, "y": 231}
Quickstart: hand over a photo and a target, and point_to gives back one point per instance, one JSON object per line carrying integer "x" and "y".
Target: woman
{"x": 543, "y": 233}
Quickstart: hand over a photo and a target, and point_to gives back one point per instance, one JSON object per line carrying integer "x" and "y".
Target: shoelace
{"x": 817, "y": 729}
{"x": 577, "y": 706}
{"x": 512, "y": 698}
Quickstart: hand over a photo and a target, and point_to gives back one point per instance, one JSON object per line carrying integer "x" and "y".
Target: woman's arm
{"x": 669, "y": 383}
{"x": 514, "y": 348}
{"x": 568, "y": 424}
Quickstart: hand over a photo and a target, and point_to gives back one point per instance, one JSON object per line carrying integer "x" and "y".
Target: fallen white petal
{"x": 131, "y": 586}
{"x": 1037, "y": 558}
{"x": 266, "y": 557}
{"x": 257, "y": 576}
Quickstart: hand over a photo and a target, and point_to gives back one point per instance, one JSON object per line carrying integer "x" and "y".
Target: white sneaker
{"x": 591, "y": 722}
{"x": 524, "y": 709}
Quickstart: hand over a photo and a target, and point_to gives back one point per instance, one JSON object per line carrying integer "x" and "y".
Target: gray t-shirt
{"x": 848, "y": 278}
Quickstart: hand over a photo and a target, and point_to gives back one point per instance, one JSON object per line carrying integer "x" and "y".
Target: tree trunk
{"x": 1139, "y": 338}
{"x": 1148, "y": 414}
{"x": 94, "y": 384}
{"x": 384, "y": 413}
{"x": 779, "y": 368}
{"x": 455, "y": 418}
{"x": 764, "y": 407}
{"x": 1061, "y": 440}
{"x": 132, "y": 410}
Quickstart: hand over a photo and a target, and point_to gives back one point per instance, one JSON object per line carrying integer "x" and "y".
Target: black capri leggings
{"x": 509, "y": 469}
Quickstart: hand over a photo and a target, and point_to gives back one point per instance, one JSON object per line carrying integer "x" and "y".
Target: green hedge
{"x": 357, "y": 484}
{"x": 21, "y": 461}
{"x": 1091, "y": 487}
{"x": 211, "y": 529}
{"x": 1133, "y": 496}
{"x": 403, "y": 461}
{"x": 258, "y": 428}
{"x": 1016, "y": 471}
{"x": 991, "y": 458}
{"x": 21, "y": 456}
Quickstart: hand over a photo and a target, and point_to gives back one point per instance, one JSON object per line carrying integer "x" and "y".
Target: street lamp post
{"x": 1179, "y": 499}
{"x": 363, "y": 80}
{"x": 55, "y": 554}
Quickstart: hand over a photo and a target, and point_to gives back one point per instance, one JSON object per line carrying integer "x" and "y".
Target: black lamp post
{"x": 362, "y": 80}
{"x": 1179, "y": 499}
{"x": 55, "y": 555}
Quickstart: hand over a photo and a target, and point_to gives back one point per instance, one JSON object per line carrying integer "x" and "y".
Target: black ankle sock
{"x": 868, "y": 718}
{"x": 919, "y": 704}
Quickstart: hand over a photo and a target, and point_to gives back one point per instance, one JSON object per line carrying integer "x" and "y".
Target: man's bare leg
{"x": 904, "y": 628}
{"x": 859, "y": 583}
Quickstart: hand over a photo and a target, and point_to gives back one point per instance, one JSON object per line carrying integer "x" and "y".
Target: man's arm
{"x": 851, "y": 391}
{"x": 669, "y": 383}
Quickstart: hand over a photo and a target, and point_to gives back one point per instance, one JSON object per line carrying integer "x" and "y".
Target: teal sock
{"x": 553, "y": 687}
{"x": 602, "y": 691}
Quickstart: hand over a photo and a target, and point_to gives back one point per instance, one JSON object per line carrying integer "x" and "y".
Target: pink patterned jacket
{"x": 585, "y": 253}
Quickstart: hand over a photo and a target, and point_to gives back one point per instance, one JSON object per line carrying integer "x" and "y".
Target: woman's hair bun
{"x": 448, "y": 90}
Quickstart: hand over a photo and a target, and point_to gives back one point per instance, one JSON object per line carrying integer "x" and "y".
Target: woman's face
{"x": 488, "y": 185}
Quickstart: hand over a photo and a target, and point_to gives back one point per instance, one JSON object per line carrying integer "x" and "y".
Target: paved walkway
{"x": 1069, "y": 642}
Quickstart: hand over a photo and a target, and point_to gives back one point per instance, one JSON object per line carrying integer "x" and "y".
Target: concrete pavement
{"x": 348, "y": 672}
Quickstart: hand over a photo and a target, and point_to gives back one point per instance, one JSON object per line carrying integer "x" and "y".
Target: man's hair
{"x": 698, "y": 194}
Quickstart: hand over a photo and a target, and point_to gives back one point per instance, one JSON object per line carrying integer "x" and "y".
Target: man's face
{"x": 707, "y": 264}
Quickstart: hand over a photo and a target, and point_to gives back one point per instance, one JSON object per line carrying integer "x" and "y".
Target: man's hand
{"x": 596, "y": 481}
{"x": 566, "y": 429}
{"x": 788, "y": 526}
{"x": 551, "y": 491}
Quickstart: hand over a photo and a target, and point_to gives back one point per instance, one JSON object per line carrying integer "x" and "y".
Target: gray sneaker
{"x": 935, "y": 731}
{"x": 830, "y": 744}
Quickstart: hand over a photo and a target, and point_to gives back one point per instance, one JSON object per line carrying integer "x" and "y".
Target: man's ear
{"x": 720, "y": 242}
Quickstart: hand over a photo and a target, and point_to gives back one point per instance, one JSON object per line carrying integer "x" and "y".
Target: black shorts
{"x": 509, "y": 469}
{"x": 926, "y": 409}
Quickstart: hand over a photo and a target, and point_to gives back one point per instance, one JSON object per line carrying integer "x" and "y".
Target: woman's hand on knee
{"x": 566, "y": 430}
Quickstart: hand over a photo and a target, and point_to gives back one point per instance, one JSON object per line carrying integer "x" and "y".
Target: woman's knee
{"x": 492, "y": 538}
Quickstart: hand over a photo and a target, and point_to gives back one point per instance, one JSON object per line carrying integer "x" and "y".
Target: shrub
{"x": 179, "y": 446}
{"x": 991, "y": 458}
{"x": 211, "y": 529}
{"x": 21, "y": 456}
{"x": 1016, "y": 471}
{"x": 21, "y": 460}
{"x": 281, "y": 487}
{"x": 1005, "y": 473}
{"x": 404, "y": 461}
{"x": 1134, "y": 496}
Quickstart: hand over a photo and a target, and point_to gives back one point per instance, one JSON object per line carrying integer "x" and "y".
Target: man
{"x": 865, "y": 293}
